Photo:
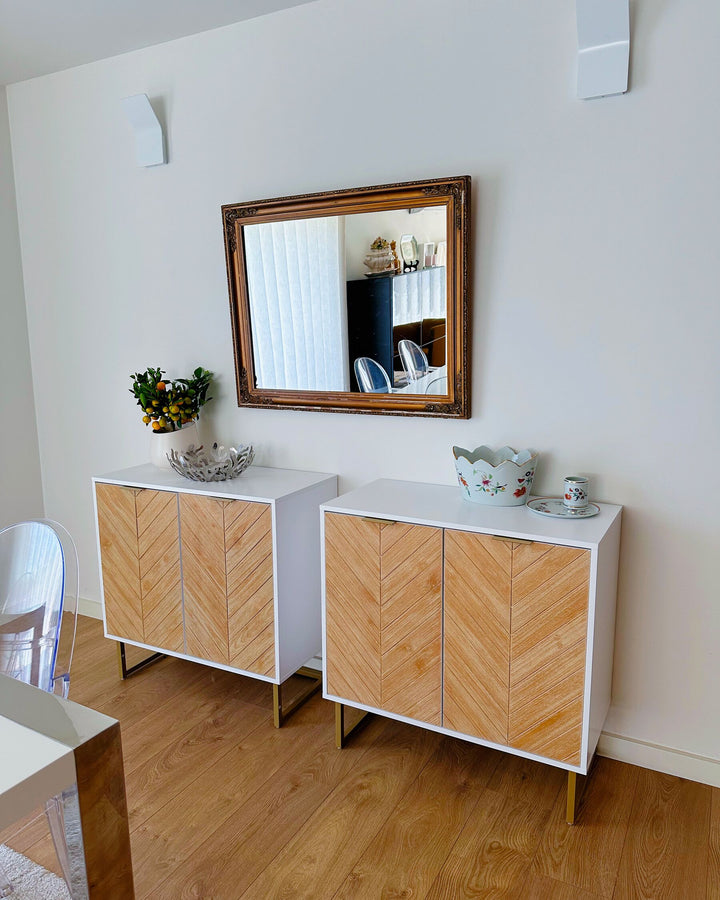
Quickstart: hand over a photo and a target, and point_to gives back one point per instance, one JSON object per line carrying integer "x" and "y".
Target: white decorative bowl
{"x": 495, "y": 477}
{"x": 217, "y": 464}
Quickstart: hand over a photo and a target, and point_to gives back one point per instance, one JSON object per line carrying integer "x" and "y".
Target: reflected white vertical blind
{"x": 298, "y": 308}
{"x": 419, "y": 295}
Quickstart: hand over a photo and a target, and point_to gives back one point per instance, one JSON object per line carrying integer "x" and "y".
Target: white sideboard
{"x": 491, "y": 624}
{"x": 223, "y": 573}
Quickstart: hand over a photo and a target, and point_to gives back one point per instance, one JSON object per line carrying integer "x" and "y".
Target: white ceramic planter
{"x": 495, "y": 477}
{"x": 162, "y": 444}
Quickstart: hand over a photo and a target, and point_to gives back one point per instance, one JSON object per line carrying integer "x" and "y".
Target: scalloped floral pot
{"x": 495, "y": 477}
{"x": 162, "y": 444}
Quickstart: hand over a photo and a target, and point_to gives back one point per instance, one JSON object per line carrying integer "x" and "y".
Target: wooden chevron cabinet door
{"x": 250, "y": 586}
{"x": 141, "y": 564}
{"x": 159, "y": 556}
{"x": 550, "y": 591}
{"x": 117, "y": 529}
{"x": 202, "y": 536}
{"x": 384, "y": 615}
{"x": 478, "y": 572}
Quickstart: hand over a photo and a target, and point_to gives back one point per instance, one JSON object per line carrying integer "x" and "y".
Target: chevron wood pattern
{"x": 250, "y": 586}
{"x": 202, "y": 535}
{"x": 352, "y": 591}
{"x": 411, "y": 620}
{"x": 159, "y": 552}
{"x": 477, "y": 635}
{"x": 549, "y": 618}
{"x": 117, "y": 527}
{"x": 384, "y": 615}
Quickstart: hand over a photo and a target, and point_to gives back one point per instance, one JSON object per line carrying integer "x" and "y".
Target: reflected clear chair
{"x": 413, "y": 359}
{"x": 39, "y": 582}
{"x": 371, "y": 376}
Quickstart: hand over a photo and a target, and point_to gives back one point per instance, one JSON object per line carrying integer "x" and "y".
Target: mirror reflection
{"x": 353, "y": 303}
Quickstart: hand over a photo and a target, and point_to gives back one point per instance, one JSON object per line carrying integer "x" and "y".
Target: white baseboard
{"x": 704, "y": 769}
{"x": 90, "y": 608}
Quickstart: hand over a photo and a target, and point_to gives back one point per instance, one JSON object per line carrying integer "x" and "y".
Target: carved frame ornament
{"x": 454, "y": 193}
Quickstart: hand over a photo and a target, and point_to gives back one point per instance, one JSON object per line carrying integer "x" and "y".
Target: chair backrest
{"x": 38, "y": 574}
{"x": 371, "y": 376}
{"x": 413, "y": 359}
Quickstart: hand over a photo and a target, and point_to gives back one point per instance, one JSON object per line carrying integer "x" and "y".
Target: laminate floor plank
{"x": 574, "y": 854}
{"x": 182, "y": 760}
{"x": 713, "y": 881}
{"x": 247, "y": 842}
{"x": 666, "y": 849}
{"x": 409, "y": 850}
{"x": 223, "y": 805}
{"x": 318, "y": 858}
{"x": 541, "y": 887}
{"x": 527, "y": 780}
{"x": 493, "y": 853}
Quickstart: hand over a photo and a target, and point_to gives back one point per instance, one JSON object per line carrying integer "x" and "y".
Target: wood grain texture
{"x": 411, "y": 621}
{"x": 713, "y": 881}
{"x": 202, "y": 535}
{"x": 666, "y": 849}
{"x": 574, "y": 855}
{"x": 548, "y": 635}
{"x": 477, "y": 572}
{"x": 117, "y": 526}
{"x": 234, "y": 803}
{"x": 431, "y": 815}
{"x": 159, "y": 551}
{"x": 250, "y": 586}
{"x": 491, "y": 858}
{"x": 352, "y": 591}
{"x": 103, "y": 810}
{"x": 317, "y": 859}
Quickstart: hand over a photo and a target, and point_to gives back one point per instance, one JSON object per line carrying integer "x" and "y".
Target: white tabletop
{"x": 33, "y": 768}
{"x": 433, "y": 382}
{"x": 38, "y": 733}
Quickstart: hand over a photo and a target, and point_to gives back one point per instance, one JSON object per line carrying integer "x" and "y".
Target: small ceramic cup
{"x": 576, "y": 492}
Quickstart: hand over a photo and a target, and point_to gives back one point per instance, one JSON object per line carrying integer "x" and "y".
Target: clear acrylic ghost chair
{"x": 371, "y": 376}
{"x": 413, "y": 359}
{"x": 39, "y": 583}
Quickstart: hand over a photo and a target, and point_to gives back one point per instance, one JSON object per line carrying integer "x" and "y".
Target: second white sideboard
{"x": 489, "y": 624}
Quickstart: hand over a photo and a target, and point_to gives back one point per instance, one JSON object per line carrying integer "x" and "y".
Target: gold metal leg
{"x": 571, "y": 796}
{"x": 282, "y": 712}
{"x": 125, "y": 670}
{"x": 575, "y": 793}
{"x": 341, "y": 735}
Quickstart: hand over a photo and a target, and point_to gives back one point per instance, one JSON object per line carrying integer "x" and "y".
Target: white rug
{"x": 30, "y": 881}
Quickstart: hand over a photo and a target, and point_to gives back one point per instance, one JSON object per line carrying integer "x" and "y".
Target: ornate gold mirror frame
{"x": 451, "y": 193}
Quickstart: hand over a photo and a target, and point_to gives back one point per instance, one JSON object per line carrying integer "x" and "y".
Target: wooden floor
{"x": 223, "y": 805}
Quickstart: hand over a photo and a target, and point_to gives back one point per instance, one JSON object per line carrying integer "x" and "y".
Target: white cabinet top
{"x": 444, "y": 506}
{"x": 256, "y": 482}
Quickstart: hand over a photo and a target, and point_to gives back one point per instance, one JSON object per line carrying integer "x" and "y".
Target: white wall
{"x": 20, "y": 485}
{"x": 596, "y": 271}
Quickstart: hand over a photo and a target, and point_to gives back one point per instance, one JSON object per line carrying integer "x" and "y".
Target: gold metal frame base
{"x": 341, "y": 735}
{"x": 282, "y": 712}
{"x": 125, "y": 670}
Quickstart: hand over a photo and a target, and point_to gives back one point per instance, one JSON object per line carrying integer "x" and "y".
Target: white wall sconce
{"x": 149, "y": 140}
{"x": 603, "y": 28}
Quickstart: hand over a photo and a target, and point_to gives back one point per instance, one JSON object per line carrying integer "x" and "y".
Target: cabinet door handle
{"x": 378, "y": 521}
{"x": 511, "y": 540}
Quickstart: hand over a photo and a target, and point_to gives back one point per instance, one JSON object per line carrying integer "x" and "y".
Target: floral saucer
{"x": 553, "y": 506}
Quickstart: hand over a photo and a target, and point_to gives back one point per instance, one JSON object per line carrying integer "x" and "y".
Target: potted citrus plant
{"x": 171, "y": 409}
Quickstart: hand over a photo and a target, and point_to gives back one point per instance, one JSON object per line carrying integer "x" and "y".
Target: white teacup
{"x": 576, "y": 492}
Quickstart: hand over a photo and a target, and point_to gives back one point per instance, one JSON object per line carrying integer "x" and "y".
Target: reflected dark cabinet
{"x": 370, "y": 322}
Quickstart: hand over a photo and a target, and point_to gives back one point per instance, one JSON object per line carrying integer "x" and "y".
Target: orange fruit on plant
{"x": 160, "y": 386}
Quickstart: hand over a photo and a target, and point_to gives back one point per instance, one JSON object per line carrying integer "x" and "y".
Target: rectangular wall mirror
{"x": 353, "y": 300}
